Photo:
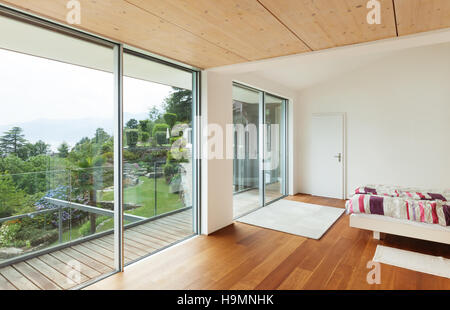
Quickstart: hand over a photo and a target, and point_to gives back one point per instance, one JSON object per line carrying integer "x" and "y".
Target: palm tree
{"x": 88, "y": 185}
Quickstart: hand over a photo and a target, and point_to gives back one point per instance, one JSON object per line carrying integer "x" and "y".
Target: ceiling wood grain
{"x": 124, "y": 22}
{"x": 331, "y": 23}
{"x": 415, "y": 16}
{"x": 241, "y": 26}
{"x": 211, "y": 33}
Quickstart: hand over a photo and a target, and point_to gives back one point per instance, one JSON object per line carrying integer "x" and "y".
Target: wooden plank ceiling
{"x": 210, "y": 33}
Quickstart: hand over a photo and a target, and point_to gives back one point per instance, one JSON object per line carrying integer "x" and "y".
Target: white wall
{"x": 217, "y": 174}
{"x": 398, "y": 119}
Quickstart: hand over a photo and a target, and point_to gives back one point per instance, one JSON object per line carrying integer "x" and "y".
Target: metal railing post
{"x": 156, "y": 195}
{"x": 60, "y": 228}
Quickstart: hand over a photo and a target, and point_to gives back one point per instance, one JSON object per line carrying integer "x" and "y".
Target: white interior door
{"x": 327, "y": 155}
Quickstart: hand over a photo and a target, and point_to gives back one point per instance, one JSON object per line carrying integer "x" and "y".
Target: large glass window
{"x": 158, "y": 165}
{"x": 259, "y": 165}
{"x": 56, "y": 156}
{"x": 67, "y": 99}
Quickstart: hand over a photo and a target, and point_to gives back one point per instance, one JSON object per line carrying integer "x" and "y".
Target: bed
{"x": 410, "y": 212}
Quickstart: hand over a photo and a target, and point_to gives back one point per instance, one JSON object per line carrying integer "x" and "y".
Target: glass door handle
{"x": 338, "y": 156}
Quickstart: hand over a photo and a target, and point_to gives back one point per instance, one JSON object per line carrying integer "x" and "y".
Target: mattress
{"x": 413, "y": 204}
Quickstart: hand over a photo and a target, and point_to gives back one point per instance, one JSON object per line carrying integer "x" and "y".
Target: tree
{"x": 25, "y": 151}
{"x": 10, "y": 197}
{"x": 144, "y": 125}
{"x": 12, "y": 141}
{"x": 101, "y": 136}
{"x": 83, "y": 149}
{"x": 132, "y": 124}
{"x": 108, "y": 146}
{"x": 79, "y": 145}
{"x": 179, "y": 102}
{"x": 40, "y": 148}
{"x": 29, "y": 150}
{"x": 154, "y": 114}
{"x": 63, "y": 150}
{"x": 87, "y": 184}
{"x": 170, "y": 119}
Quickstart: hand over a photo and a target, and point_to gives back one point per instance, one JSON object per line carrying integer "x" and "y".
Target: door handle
{"x": 338, "y": 156}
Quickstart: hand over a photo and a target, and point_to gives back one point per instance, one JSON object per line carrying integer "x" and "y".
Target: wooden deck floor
{"x": 55, "y": 271}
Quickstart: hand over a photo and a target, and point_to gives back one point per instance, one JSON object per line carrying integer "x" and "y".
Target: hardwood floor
{"x": 241, "y": 256}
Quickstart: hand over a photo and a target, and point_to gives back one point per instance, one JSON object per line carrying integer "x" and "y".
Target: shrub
{"x": 107, "y": 147}
{"x": 161, "y": 127}
{"x": 161, "y": 138}
{"x": 39, "y": 237}
{"x": 169, "y": 171}
{"x": 98, "y": 161}
{"x": 108, "y": 157}
{"x": 85, "y": 229}
{"x": 130, "y": 156}
{"x": 132, "y": 136}
{"x": 157, "y": 154}
{"x": 8, "y": 234}
{"x": 145, "y": 136}
{"x": 170, "y": 119}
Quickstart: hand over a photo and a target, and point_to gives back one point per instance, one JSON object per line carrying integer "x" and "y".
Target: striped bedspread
{"x": 402, "y": 203}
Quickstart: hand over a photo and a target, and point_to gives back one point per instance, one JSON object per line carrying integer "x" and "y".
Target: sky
{"x": 56, "y": 102}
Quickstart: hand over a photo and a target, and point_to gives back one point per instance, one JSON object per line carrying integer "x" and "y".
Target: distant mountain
{"x": 54, "y": 132}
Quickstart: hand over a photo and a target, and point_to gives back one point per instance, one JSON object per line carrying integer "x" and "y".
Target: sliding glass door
{"x": 158, "y": 155}
{"x": 246, "y": 163}
{"x": 259, "y": 165}
{"x": 274, "y": 148}
{"x": 97, "y": 149}
{"x": 56, "y": 157}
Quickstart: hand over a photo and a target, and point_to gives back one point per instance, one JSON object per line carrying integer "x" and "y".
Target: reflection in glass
{"x": 257, "y": 182}
{"x": 274, "y": 148}
{"x": 246, "y": 103}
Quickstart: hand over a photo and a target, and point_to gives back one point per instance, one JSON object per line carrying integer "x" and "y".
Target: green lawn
{"x": 144, "y": 195}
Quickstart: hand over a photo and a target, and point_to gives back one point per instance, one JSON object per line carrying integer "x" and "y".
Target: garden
{"x": 32, "y": 176}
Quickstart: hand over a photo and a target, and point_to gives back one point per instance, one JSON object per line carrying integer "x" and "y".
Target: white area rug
{"x": 295, "y": 218}
{"x": 430, "y": 264}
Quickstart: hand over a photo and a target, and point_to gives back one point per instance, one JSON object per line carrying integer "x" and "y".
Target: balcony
{"x": 61, "y": 249}
{"x": 55, "y": 270}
